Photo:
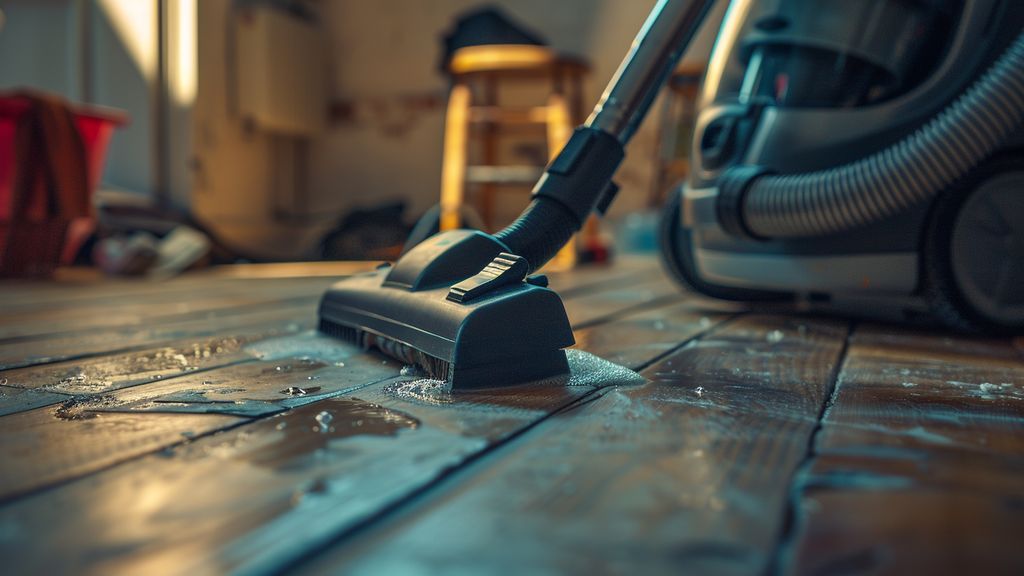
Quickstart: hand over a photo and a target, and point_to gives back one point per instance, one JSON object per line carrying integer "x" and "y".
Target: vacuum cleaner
{"x": 842, "y": 150}
{"x": 861, "y": 157}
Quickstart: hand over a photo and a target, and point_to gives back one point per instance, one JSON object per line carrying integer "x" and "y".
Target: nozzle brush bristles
{"x": 433, "y": 367}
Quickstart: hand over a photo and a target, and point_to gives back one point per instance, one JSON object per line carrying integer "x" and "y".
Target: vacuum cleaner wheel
{"x": 677, "y": 258}
{"x": 974, "y": 250}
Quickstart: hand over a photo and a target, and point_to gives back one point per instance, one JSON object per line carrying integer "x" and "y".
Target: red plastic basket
{"x": 31, "y": 243}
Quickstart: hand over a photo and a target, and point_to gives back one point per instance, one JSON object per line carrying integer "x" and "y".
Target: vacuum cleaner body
{"x": 798, "y": 87}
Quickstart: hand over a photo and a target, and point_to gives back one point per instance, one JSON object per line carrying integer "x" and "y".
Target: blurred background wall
{"x": 173, "y": 65}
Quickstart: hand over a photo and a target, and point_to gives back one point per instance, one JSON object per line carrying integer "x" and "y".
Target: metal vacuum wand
{"x": 651, "y": 60}
{"x": 579, "y": 180}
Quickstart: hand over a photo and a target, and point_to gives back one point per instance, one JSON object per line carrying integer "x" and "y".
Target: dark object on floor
{"x": 485, "y": 26}
{"x": 367, "y": 234}
{"x": 126, "y": 255}
{"x": 143, "y": 253}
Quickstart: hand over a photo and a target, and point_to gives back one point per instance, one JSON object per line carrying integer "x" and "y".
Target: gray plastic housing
{"x": 512, "y": 334}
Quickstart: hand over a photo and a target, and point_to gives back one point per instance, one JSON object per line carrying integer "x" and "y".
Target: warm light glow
{"x": 499, "y": 57}
{"x": 134, "y": 22}
{"x": 453, "y": 168}
{"x": 559, "y": 131}
{"x": 183, "y": 46}
{"x": 732, "y": 25}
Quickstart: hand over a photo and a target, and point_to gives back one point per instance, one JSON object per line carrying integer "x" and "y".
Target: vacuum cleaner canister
{"x": 861, "y": 156}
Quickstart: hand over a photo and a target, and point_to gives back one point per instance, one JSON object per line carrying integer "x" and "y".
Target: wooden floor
{"x": 201, "y": 426}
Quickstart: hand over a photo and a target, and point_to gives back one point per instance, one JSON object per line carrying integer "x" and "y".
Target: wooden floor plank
{"x": 101, "y": 374}
{"x": 293, "y": 317}
{"x": 38, "y": 325}
{"x": 63, "y": 299}
{"x": 647, "y": 334}
{"x": 686, "y": 474}
{"x": 50, "y": 448}
{"x": 594, "y": 277}
{"x": 271, "y": 491}
{"x": 61, "y": 315}
{"x": 593, "y": 309}
{"x": 919, "y": 465}
{"x": 37, "y": 295}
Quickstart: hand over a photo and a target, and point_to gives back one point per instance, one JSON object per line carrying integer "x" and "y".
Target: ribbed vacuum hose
{"x": 540, "y": 231}
{"x": 908, "y": 173}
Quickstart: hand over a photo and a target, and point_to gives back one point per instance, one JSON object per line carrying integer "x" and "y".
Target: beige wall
{"x": 100, "y": 52}
{"x": 27, "y": 60}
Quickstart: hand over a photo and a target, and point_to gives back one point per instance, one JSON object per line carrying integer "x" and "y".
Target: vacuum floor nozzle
{"x": 459, "y": 307}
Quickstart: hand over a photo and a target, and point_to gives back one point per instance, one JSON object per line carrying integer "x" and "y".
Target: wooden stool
{"x": 474, "y": 110}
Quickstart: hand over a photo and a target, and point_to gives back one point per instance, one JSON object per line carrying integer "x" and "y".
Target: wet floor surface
{"x": 198, "y": 429}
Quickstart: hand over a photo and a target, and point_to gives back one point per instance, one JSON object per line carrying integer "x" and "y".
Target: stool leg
{"x": 559, "y": 130}
{"x": 559, "y": 124}
{"x": 488, "y": 190}
{"x": 453, "y": 167}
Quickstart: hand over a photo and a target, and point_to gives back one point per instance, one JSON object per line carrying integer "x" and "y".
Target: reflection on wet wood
{"x": 919, "y": 466}
{"x": 246, "y": 390}
{"x": 53, "y": 444}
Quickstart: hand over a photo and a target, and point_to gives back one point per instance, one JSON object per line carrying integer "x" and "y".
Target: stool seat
{"x": 521, "y": 58}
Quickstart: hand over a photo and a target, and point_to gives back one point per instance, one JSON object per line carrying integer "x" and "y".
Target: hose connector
{"x": 732, "y": 189}
{"x": 580, "y": 177}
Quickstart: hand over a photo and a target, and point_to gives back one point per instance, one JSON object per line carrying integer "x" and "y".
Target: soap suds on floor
{"x": 585, "y": 369}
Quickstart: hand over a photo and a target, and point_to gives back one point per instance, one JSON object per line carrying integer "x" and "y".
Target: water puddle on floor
{"x": 311, "y": 428}
{"x": 299, "y": 391}
{"x": 294, "y": 366}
